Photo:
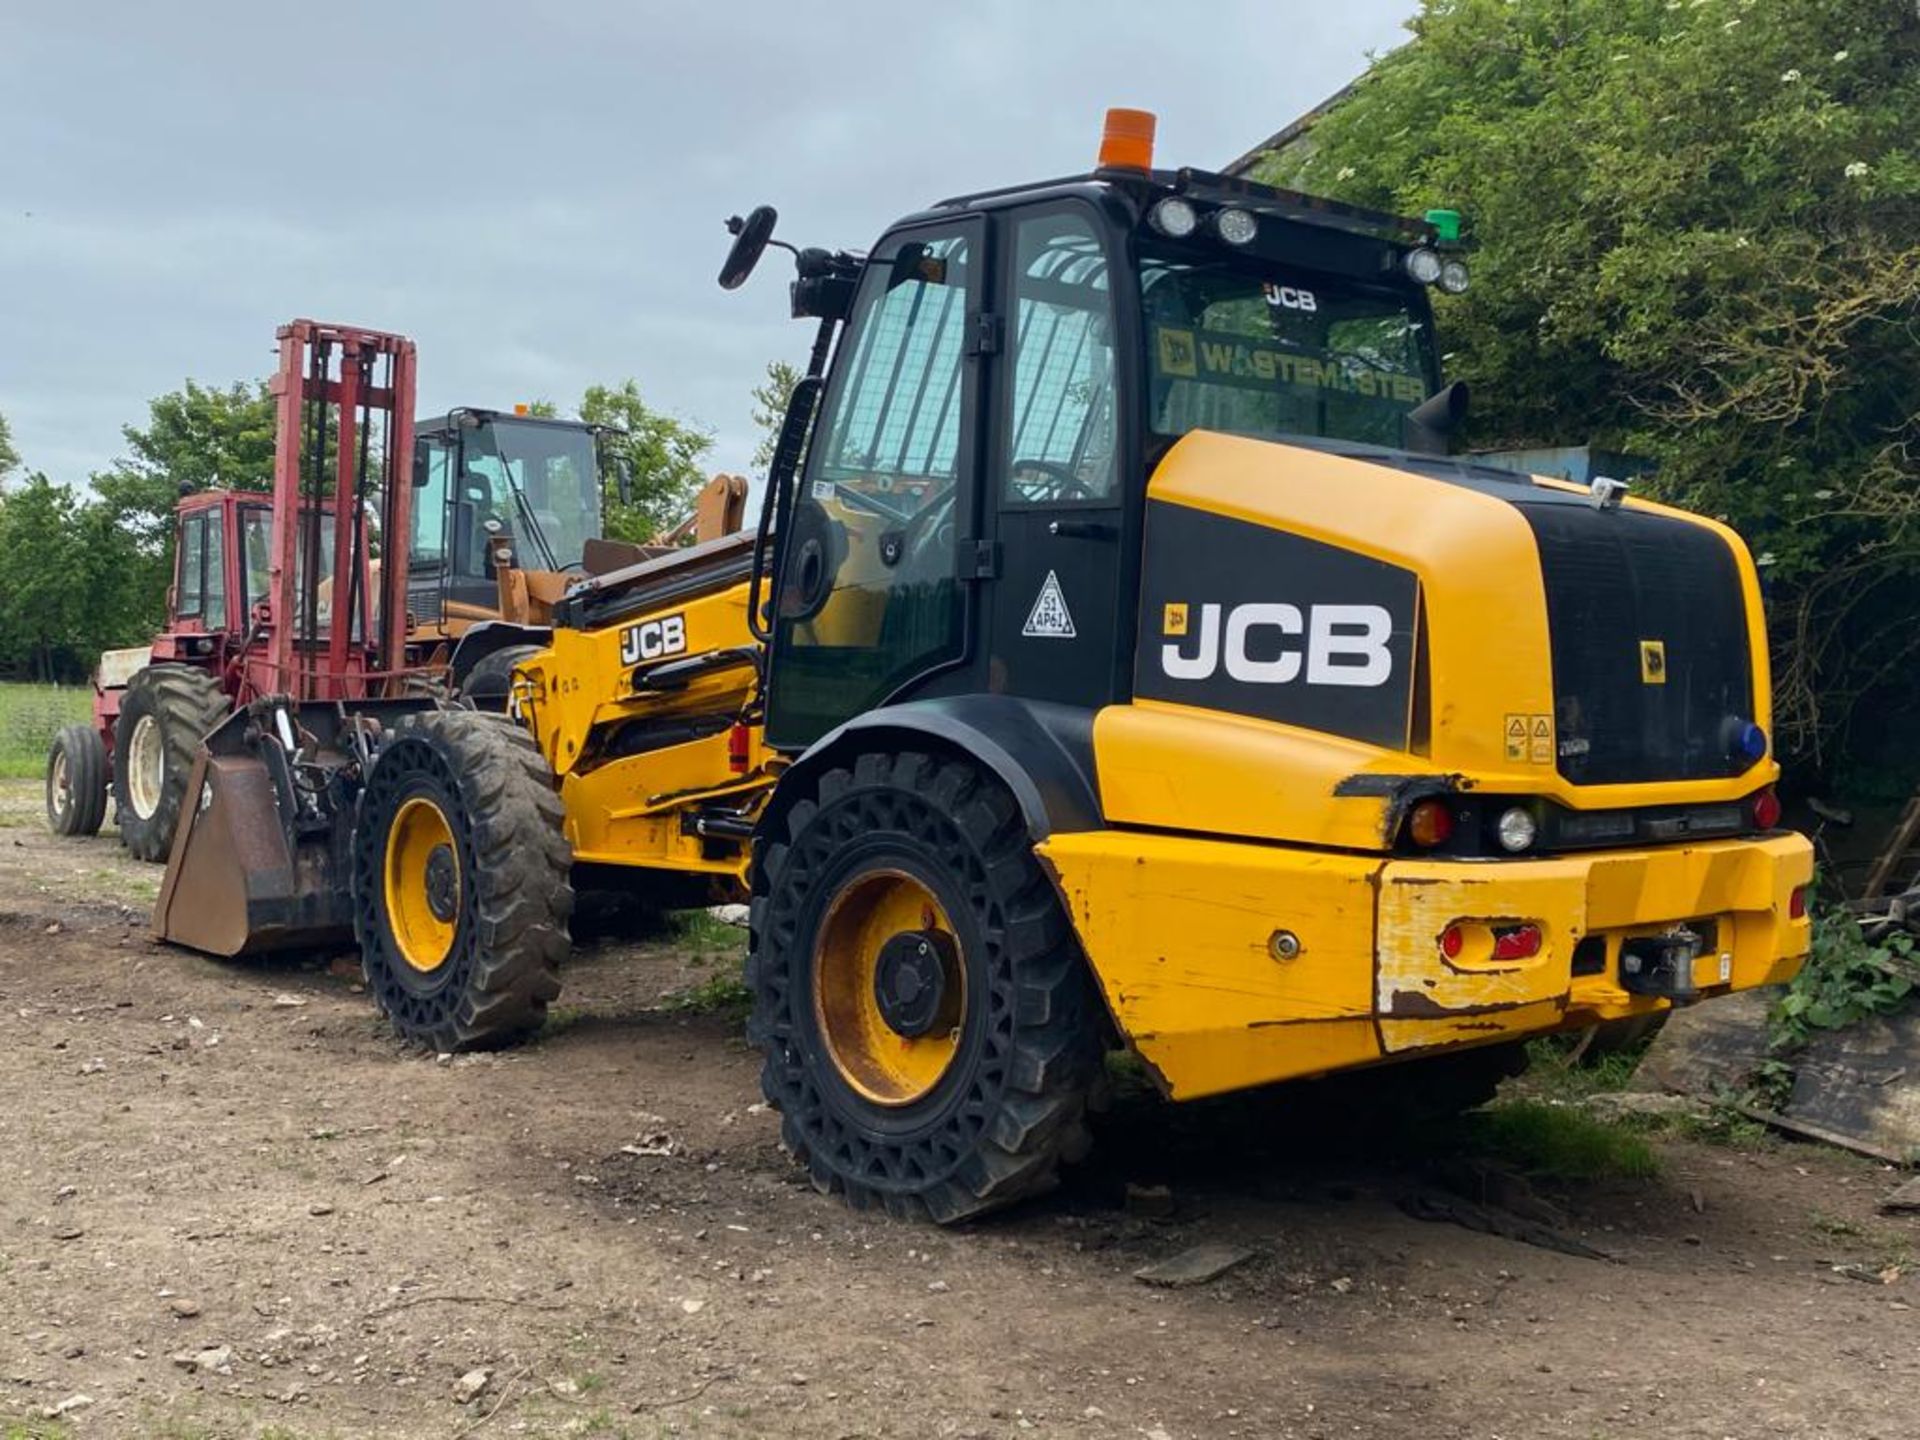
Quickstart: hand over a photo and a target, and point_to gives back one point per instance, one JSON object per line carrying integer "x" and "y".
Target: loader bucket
{"x": 242, "y": 877}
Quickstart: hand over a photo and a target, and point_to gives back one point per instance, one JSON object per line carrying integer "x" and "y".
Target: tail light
{"x": 1516, "y": 942}
{"x": 1765, "y": 809}
{"x": 1429, "y": 824}
{"x": 1797, "y": 903}
{"x": 1520, "y": 941}
{"x": 737, "y": 748}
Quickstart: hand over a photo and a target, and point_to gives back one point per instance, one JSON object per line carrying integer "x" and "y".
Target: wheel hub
{"x": 889, "y": 987}
{"x": 146, "y": 767}
{"x": 443, "y": 883}
{"x": 910, "y": 981}
{"x": 421, "y": 888}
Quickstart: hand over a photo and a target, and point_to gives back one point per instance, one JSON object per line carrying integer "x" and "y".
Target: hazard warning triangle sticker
{"x": 1049, "y": 619}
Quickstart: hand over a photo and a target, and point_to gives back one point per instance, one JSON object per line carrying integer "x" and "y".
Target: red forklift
{"x": 273, "y": 595}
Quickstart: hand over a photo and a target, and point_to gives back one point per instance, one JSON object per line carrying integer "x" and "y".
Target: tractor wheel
{"x": 166, "y": 713}
{"x": 928, "y": 1029}
{"x": 488, "y": 685}
{"x": 77, "y": 781}
{"x": 460, "y": 889}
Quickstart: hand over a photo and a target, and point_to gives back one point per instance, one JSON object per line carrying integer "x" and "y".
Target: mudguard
{"x": 1042, "y": 752}
{"x": 487, "y": 637}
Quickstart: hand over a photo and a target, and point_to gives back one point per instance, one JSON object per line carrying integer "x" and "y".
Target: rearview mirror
{"x": 750, "y": 238}
{"x": 623, "y": 479}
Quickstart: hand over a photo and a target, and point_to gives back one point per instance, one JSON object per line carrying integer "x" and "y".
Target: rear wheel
{"x": 928, "y": 1029}
{"x": 77, "y": 781}
{"x": 460, "y": 889}
{"x": 489, "y": 684}
{"x": 165, "y": 714}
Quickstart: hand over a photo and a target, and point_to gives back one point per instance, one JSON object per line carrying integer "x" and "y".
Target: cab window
{"x": 213, "y": 584}
{"x": 189, "y": 592}
{"x": 869, "y": 596}
{"x": 1060, "y": 422}
{"x": 432, "y": 461}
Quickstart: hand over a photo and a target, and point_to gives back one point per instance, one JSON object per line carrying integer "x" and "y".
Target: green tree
{"x": 9, "y": 457}
{"x": 77, "y": 582}
{"x": 196, "y": 437}
{"x": 42, "y": 603}
{"x": 1695, "y": 237}
{"x": 664, "y": 455}
{"x": 770, "y": 399}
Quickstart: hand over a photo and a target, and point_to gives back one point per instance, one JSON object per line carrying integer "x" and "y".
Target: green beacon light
{"x": 1446, "y": 225}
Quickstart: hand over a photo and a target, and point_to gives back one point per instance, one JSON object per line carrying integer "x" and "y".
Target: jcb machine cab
{"x": 1121, "y": 661}
{"x": 499, "y": 486}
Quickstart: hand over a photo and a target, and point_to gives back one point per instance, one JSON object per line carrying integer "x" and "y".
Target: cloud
{"x": 535, "y": 194}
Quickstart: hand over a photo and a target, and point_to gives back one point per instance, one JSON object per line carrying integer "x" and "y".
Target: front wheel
{"x": 165, "y": 714}
{"x": 460, "y": 882}
{"x": 77, "y": 781}
{"x": 928, "y": 1030}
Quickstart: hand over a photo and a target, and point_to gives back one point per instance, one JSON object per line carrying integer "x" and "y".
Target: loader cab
{"x": 482, "y": 474}
{"x": 1011, "y": 368}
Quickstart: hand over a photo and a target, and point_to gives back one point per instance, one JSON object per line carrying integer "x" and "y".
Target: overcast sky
{"x": 535, "y": 193}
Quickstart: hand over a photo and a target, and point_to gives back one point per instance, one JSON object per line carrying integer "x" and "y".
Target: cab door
{"x": 1054, "y": 631}
{"x": 871, "y": 597}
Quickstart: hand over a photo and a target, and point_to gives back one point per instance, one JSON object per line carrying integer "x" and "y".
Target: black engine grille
{"x": 1616, "y": 579}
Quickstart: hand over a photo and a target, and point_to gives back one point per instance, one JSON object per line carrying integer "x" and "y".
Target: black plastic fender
{"x": 487, "y": 637}
{"x": 1041, "y": 751}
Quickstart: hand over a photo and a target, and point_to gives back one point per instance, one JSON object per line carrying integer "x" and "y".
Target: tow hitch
{"x": 1662, "y": 964}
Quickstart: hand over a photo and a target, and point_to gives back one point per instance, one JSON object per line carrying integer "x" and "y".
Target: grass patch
{"x": 29, "y": 716}
{"x": 701, "y": 930}
{"x": 724, "y": 994}
{"x": 14, "y": 1429}
{"x": 560, "y": 1019}
{"x": 1561, "y": 1142}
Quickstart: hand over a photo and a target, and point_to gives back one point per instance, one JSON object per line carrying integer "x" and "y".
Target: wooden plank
{"x": 1898, "y": 844}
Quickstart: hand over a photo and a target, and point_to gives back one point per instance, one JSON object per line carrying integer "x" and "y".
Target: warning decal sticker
{"x": 1049, "y": 619}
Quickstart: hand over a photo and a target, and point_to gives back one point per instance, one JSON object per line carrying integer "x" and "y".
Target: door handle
{"x": 1083, "y": 530}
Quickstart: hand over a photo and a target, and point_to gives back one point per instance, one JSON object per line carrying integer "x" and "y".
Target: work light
{"x": 1173, "y": 217}
{"x": 1424, "y": 265}
{"x": 1236, "y": 226}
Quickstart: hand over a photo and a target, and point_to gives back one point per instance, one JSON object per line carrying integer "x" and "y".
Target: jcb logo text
{"x": 1271, "y": 643}
{"x": 653, "y": 639}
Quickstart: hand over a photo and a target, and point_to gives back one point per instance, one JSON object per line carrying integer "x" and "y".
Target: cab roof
{"x": 1143, "y": 187}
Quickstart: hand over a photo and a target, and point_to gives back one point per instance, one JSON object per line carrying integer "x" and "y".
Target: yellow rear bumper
{"x": 1188, "y": 938}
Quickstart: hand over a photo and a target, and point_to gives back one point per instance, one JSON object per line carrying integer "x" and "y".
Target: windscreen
{"x": 542, "y": 482}
{"x": 1241, "y": 345}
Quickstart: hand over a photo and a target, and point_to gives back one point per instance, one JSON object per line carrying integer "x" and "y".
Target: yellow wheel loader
{"x": 1121, "y": 661}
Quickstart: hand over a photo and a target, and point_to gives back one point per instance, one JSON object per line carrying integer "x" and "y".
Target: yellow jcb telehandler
{"x": 1121, "y": 661}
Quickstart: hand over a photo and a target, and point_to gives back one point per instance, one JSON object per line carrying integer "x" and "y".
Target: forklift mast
{"x": 349, "y": 391}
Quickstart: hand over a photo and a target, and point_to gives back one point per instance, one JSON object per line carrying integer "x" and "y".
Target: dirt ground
{"x": 232, "y": 1206}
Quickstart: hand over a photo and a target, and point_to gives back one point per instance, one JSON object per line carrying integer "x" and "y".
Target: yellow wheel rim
{"x": 877, "y": 1061}
{"x": 422, "y": 884}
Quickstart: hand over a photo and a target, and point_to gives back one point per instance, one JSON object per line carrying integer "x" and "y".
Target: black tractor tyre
{"x": 1026, "y": 1036}
{"x": 180, "y": 704}
{"x": 494, "y": 882}
{"x": 488, "y": 685}
{"x": 76, "y": 781}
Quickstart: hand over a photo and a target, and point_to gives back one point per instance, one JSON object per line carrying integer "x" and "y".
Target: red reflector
{"x": 1797, "y": 903}
{"x": 1452, "y": 939}
{"x": 737, "y": 748}
{"x": 1429, "y": 824}
{"x": 1766, "y": 810}
{"x": 1516, "y": 942}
